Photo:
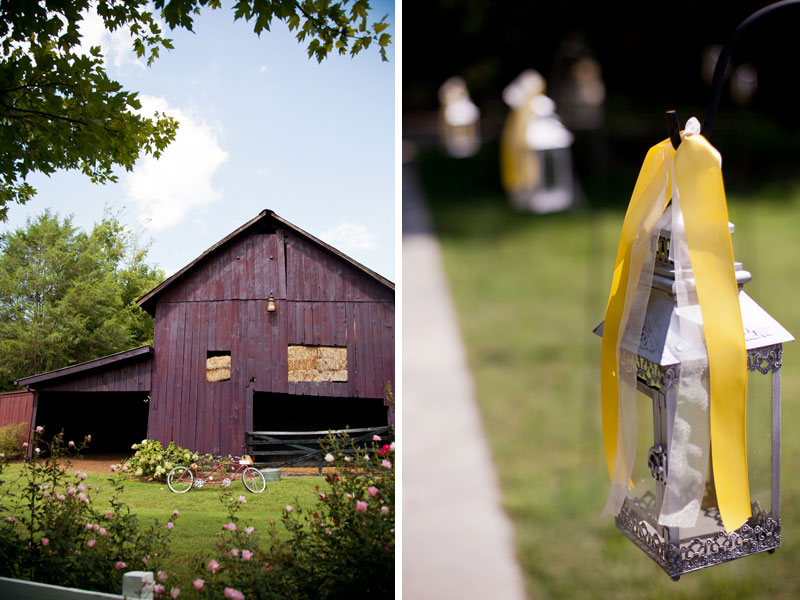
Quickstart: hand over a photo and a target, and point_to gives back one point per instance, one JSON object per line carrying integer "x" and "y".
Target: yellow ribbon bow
{"x": 694, "y": 172}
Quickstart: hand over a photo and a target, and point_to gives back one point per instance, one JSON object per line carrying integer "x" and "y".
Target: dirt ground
{"x": 101, "y": 463}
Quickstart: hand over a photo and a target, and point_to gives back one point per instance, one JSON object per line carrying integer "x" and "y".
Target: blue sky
{"x": 262, "y": 126}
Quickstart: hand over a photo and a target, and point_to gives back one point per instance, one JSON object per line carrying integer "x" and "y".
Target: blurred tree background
{"x": 651, "y": 60}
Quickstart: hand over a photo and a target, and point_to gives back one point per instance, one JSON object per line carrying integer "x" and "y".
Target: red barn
{"x": 269, "y": 329}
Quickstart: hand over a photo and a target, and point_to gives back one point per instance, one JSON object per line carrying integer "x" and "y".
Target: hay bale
{"x": 218, "y": 368}
{"x": 317, "y": 363}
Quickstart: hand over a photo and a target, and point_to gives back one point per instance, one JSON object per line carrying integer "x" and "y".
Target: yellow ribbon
{"x": 699, "y": 181}
{"x": 517, "y": 167}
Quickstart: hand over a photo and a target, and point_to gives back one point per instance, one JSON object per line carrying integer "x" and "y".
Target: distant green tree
{"x": 67, "y": 296}
{"x": 60, "y": 110}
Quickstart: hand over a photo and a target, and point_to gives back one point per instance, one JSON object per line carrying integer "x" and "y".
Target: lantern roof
{"x": 660, "y": 330}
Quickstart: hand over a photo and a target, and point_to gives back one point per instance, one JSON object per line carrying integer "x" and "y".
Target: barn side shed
{"x": 105, "y": 398}
{"x": 269, "y": 329}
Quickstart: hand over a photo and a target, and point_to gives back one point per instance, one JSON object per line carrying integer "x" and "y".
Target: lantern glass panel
{"x": 759, "y": 441}
{"x": 643, "y": 492}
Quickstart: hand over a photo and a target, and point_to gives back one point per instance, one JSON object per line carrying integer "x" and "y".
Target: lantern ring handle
{"x": 724, "y": 57}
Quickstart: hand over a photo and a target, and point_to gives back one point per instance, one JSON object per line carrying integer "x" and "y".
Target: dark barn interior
{"x": 287, "y": 412}
{"x": 115, "y": 420}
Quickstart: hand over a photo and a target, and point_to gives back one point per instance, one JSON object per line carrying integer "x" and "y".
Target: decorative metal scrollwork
{"x": 655, "y": 376}
{"x": 698, "y": 553}
{"x": 662, "y": 250}
{"x": 766, "y": 359}
{"x": 657, "y": 463}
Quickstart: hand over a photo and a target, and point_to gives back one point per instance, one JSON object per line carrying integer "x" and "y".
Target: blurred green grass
{"x": 529, "y": 290}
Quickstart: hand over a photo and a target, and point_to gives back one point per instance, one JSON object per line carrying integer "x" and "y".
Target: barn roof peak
{"x": 265, "y": 219}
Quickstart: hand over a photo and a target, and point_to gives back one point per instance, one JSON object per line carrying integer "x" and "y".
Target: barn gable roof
{"x": 83, "y": 368}
{"x": 264, "y": 220}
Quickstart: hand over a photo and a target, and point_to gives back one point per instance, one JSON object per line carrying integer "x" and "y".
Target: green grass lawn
{"x": 201, "y": 513}
{"x": 529, "y": 290}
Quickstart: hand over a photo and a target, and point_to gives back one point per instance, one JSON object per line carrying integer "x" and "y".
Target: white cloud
{"x": 116, "y": 46}
{"x": 164, "y": 191}
{"x": 350, "y": 237}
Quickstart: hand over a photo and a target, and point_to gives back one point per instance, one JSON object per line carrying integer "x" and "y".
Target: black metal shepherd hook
{"x": 719, "y": 73}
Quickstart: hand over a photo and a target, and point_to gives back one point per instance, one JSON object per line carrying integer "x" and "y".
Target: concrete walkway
{"x": 457, "y": 541}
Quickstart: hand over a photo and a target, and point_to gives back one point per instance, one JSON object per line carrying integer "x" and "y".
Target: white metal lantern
{"x": 536, "y": 156}
{"x": 704, "y": 542}
{"x": 459, "y": 119}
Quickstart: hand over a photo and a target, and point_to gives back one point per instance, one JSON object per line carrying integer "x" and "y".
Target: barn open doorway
{"x": 287, "y": 412}
{"x": 115, "y": 420}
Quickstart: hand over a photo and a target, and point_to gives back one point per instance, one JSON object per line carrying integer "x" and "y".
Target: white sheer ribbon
{"x": 689, "y": 446}
{"x": 637, "y": 296}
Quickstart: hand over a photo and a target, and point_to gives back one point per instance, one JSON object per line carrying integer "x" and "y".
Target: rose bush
{"x": 342, "y": 547}
{"x": 51, "y": 531}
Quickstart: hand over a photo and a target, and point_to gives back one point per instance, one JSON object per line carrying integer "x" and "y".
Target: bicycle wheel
{"x": 180, "y": 480}
{"x": 253, "y": 480}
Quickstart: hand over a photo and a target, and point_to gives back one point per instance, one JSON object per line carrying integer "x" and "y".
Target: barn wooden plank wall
{"x": 132, "y": 377}
{"x": 16, "y": 407}
{"x": 221, "y": 306}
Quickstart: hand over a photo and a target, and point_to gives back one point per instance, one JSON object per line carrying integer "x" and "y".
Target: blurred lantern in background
{"x": 535, "y": 155}
{"x": 744, "y": 83}
{"x": 709, "y": 62}
{"x": 459, "y": 119}
{"x": 577, "y": 86}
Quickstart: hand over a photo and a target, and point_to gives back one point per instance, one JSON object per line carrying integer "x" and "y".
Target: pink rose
{"x": 361, "y": 506}
{"x": 102, "y": 531}
{"x": 386, "y": 464}
{"x": 120, "y": 565}
{"x": 175, "y": 512}
{"x": 247, "y": 555}
{"x": 170, "y": 525}
{"x": 376, "y": 438}
{"x": 91, "y": 543}
{"x": 198, "y": 584}
{"x": 372, "y": 490}
{"x": 162, "y": 576}
{"x": 175, "y": 592}
{"x": 288, "y": 508}
{"x": 249, "y": 530}
{"x": 110, "y": 515}
{"x": 158, "y": 589}
{"x": 233, "y": 594}
{"x": 45, "y": 541}
{"x": 213, "y": 566}
{"x": 384, "y": 510}
{"x": 242, "y": 500}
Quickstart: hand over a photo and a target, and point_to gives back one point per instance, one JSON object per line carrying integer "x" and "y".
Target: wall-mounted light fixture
{"x": 271, "y": 303}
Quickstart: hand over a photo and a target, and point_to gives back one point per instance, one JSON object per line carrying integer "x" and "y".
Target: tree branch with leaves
{"x": 59, "y": 109}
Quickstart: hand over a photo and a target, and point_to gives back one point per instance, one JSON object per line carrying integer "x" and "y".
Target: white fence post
{"x": 138, "y": 585}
